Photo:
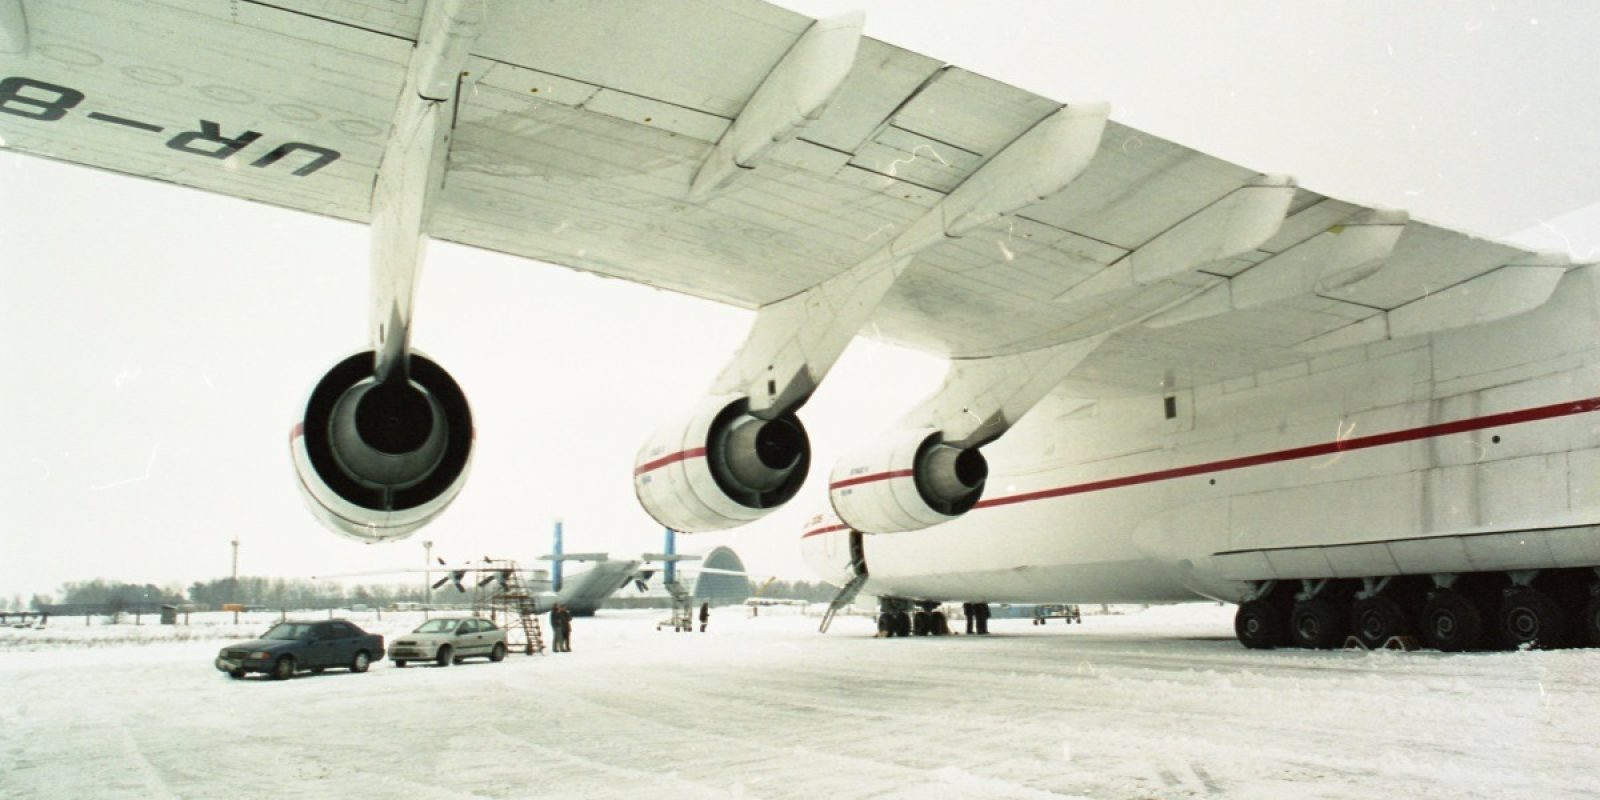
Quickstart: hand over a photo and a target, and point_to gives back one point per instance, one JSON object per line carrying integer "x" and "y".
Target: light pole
{"x": 233, "y": 586}
{"x": 427, "y": 570}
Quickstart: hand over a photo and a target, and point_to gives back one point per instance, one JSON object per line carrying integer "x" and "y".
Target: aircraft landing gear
{"x": 1530, "y": 618}
{"x": 1260, "y": 625}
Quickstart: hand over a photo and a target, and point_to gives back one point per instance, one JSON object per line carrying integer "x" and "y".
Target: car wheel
{"x": 499, "y": 652}
{"x": 443, "y": 657}
{"x": 400, "y": 662}
{"x": 284, "y": 669}
{"x": 236, "y": 674}
{"x": 361, "y": 662}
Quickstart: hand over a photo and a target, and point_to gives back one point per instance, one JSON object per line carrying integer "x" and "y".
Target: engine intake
{"x": 378, "y": 460}
{"x": 721, "y": 467}
{"x": 912, "y": 481}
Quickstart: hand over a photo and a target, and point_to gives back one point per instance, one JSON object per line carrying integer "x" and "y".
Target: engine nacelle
{"x": 721, "y": 467}
{"x": 910, "y": 482}
{"x": 377, "y": 461}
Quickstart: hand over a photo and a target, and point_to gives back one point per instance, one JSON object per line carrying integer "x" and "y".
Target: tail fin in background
{"x": 670, "y": 548}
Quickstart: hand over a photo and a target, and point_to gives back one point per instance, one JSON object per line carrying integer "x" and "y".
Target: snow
{"x": 1160, "y": 703}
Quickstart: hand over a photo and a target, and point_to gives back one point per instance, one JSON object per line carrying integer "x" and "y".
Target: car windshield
{"x": 438, "y": 626}
{"x": 288, "y": 630}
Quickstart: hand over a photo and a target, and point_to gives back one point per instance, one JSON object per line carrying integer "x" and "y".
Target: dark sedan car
{"x": 293, "y": 646}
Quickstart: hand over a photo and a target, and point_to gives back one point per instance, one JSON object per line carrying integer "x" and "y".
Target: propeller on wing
{"x": 454, "y": 577}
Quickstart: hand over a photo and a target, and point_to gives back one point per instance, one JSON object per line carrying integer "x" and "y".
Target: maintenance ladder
{"x": 513, "y": 603}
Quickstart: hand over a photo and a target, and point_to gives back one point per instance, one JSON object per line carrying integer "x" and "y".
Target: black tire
{"x": 443, "y": 657}
{"x": 919, "y": 623}
{"x": 1450, "y": 622}
{"x": 886, "y": 624}
{"x": 1591, "y": 620}
{"x": 1260, "y": 625}
{"x": 1375, "y": 619}
{"x": 361, "y": 661}
{"x": 498, "y": 654}
{"x": 938, "y": 624}
{"x": 1530, "y": 618}
{"x": 902, "y": 624}
{"x": 283, "y": 668}
{"x": 236, "y": 674}
{"x": 400, "y": 662}
{"x": 1317, "y": 624}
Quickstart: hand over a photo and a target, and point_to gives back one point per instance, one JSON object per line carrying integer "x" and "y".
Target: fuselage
{"x": 1481, "y": 429}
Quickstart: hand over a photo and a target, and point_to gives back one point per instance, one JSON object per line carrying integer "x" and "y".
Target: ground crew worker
{"x": 705, "y": 615}
{"x": 971, "y": 614}
{"x": 566, "y": 629}
{"x": 559, "y": 627}
{"x": 982, "y": 610}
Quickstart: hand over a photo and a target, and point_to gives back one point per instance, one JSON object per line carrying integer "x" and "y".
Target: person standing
{"x": 705, "y": 615}
{"x": 558, "y": 629}
{"x": 566, "y": 629}
{"x": 982, "y": 610}
{"x": 969, "y": 611}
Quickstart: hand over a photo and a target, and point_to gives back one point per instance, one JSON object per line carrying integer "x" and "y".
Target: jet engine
{"x": 912, "y": 481}
{"x": 721, "y": 466}
{"x": 378, "y": 460}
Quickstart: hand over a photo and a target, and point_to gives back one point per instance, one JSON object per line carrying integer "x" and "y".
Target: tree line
{"x": 298, "y": 593}
{"x": 295, "y": 593}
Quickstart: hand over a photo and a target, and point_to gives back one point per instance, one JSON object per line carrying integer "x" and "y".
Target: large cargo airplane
{"x": 1171, "y": 376}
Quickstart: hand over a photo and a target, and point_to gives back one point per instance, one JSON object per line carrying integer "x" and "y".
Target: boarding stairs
{"x": 682, "y": 607}
{"x": 846, "y": 596}
{"x": 517, "y": 610}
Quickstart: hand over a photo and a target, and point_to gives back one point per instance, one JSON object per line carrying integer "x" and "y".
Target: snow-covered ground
{"x": 1157, "y": 704}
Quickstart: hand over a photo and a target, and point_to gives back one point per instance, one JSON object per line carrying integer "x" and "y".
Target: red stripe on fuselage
{"x": 873, "y": 478}
{"x": 1293, "y": 454}
{"x": 820, "y": 531}
{"x": 697, "y": 452}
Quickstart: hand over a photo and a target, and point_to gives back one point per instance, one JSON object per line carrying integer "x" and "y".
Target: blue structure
{"x": 670, "y": 548}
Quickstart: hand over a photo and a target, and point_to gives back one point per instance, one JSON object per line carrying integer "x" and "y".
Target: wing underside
{"x": 582, "y": 125}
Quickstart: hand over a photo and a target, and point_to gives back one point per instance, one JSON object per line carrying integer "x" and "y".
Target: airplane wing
{"x": 597, "y": 136}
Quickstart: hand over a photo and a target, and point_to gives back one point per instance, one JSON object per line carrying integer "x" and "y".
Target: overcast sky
{"x": 159, "y": 342}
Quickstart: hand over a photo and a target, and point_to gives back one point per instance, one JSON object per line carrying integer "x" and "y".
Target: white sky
{"x": 159, "y": 342}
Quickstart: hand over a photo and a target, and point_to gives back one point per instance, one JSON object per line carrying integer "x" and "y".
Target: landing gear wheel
{"x": 939, "y": 623}
{"x": 1316, "y": 624}
{"x": 1450, "y": 622}
{"x": 1591, "y": 620}
{"x": 443, "y": 657}
{"x": 498, "y": 653}
{"x": 1530, "y": 618}
{"x": 1375, "y": 619}
{"x": 919, "y": 623}
{"x": 886, "y": 624}
{"x": 283, "y": 669}
{"x": 360, "y": 662}
{"x": 1260, "y": 625}
{"x": 902, "y": 624}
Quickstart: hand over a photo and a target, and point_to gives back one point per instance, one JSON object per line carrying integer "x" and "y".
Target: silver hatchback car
{"x": 449, "y": 641}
